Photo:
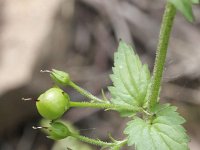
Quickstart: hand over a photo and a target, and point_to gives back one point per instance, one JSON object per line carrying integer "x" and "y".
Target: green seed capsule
{"x": 53, "y": 103}
{"x": 58, "y": 131}
{"x": 60, "y": 77}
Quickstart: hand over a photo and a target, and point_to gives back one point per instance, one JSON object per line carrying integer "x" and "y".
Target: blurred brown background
{"x": 80, "y": 37}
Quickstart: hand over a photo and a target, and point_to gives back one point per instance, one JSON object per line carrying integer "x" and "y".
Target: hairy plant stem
{"x": 102, "y": 106}
{"x": 94, "y": 142}
{"x": 166, "y": 27}
{"x": 85, "y": 93}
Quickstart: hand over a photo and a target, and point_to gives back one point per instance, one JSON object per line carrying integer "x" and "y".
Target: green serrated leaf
{"x": 185, "y": 7}
{"x": 130, "y": 78}
{"x": 164, "y": 132}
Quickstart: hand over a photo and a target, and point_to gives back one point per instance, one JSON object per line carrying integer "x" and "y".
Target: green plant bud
{"x": 58, "y": 131}
{"x": 60, "y": 77}
{"x": 53, "y": 103}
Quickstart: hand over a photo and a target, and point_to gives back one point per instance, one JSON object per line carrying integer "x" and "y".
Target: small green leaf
{"x": 130, "y": 78}
{"x": 164, "y": 132}
{"x": 185, "y": 7}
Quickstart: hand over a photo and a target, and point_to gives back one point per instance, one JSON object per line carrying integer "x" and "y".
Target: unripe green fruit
{"x": 60, "y": 77}
{"x": 53, "y": 103}
{"x": 58, "y": 131}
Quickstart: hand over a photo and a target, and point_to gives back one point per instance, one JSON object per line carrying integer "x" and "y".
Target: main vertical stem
{"x": 167, "y": 22}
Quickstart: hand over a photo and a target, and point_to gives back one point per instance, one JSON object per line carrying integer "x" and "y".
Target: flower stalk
{"x": 84, "y": 92}
{"x": 102, "y": 106}
{"x": 100, "y": 143}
